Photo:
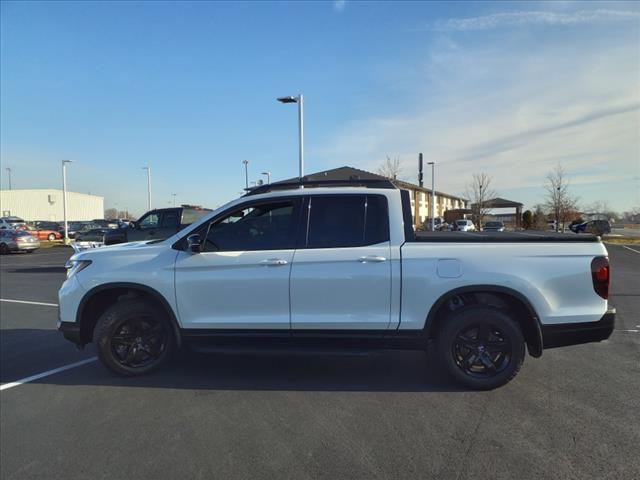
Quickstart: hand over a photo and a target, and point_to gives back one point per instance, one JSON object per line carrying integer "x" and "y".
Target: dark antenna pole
{"x": 420, "y": 176}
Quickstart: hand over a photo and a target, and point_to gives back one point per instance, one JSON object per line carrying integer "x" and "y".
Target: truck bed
{"x": 503, "y": 237}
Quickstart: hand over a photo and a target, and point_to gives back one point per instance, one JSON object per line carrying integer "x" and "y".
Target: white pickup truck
{"x": 332, "y": 268}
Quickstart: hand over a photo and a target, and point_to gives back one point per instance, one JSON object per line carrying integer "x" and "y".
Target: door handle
{"x": 273, "y": 262}
{"x": 372, "y": 259}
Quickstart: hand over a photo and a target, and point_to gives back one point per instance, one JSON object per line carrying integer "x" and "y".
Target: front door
{"x": 241, "y": 278}
{"x": 341, "y": 278}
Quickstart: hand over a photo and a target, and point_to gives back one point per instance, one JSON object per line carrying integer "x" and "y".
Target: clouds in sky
{"x": 515, "y": 105}
{"x": 339, "y": 5}
{"x": 525, "y": 18}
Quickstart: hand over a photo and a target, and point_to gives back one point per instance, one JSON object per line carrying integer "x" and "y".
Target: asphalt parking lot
{"x": 574, "y": 413}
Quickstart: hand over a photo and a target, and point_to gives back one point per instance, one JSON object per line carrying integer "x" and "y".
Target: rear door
{"x": 341, "y": 276}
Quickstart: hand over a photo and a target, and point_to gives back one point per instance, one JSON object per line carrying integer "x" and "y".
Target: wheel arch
{"x": 101, "y": 297}
{"x": 527, "y": 317}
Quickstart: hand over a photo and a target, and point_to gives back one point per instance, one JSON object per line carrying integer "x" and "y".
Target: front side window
{"x": 269, "y": 226}
{"x": 337, "y": 221}
{"x": 150, "y": 221}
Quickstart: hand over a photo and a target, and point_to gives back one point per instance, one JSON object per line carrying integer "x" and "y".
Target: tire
{"x": 482, "y": 347}
{"x": 51, "y": 237}
{"x": 4, "y": 249}
{"x": 134, "y": 337}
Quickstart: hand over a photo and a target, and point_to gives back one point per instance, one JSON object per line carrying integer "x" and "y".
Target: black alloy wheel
{"x": 138, "y": 342}
{"x": 481, "y": 351}
{"x": 134, "y": 337}
{"x": 481, "y": 346}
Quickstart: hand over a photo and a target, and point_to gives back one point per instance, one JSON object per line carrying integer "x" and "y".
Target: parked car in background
{"x": 11, "y": 222}
{"x": 44, "y": 233}
{"x": 494, "y": 226}
{"x": 17, "y": 241}
{"x": 464, "y": 226}
{"x": 4, "y": 225}
{"x": 596, "y": 227}
{"x": 102, "y": 223}
{"x": 157, "y": 224}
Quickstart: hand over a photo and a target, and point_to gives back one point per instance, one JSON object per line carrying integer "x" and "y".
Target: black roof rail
{"x": 353, "y": 182}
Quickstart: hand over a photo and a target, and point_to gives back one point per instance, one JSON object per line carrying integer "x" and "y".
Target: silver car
{"x": 17, "y": 241}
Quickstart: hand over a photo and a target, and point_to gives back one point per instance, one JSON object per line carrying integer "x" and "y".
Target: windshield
{"x": 461, "y": 222}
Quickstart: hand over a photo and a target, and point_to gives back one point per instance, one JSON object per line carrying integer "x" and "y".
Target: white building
{"x": 46, "y": 204}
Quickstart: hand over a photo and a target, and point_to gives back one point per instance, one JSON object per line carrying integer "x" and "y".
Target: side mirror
{"x": 193, "y": 242}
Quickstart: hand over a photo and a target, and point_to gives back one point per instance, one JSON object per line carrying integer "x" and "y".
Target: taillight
{"x": 600, "y": 276}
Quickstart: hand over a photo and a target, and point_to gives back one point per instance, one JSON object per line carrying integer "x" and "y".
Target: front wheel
{"x": 482, "y": 347}
{"x": 51, "y": 237}
{"x": 134, "y": 337}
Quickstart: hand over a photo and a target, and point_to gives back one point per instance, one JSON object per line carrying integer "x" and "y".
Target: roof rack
{"x": 353, "y": 182}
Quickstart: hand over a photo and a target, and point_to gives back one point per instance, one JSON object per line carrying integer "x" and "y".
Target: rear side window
{"x": 347, "y": 221}
{"x": 190, "y": 215}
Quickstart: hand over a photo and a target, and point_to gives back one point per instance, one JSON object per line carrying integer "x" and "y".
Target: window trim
{"x": 304, "y": 241}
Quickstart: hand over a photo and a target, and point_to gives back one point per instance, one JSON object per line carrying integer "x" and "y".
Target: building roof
{"x": 501, "y": 203}
{"x": 351, "y": 173}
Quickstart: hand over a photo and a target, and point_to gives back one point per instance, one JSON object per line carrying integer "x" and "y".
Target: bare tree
{"x": 539, "y": 218}
{"x": 602, "y": 209}
{"x": 392, "y": 168}
{"x": 111, "y": 213}
{"x": 559, "y": 200}
{"x": 479, "y": 191}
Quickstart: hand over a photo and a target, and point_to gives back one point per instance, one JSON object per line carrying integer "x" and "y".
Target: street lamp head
{"x": 266, "y": 173}
{"x": 246, "y": 162}
{"x": 67, "y": 161}
{"x": 288, "y": 99}
{"x": 431, "y": 163}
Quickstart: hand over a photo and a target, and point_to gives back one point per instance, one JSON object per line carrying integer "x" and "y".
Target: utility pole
{"x": 148, "y": 169}
{"x": 9, "y": 172}
{"x": 246, "y": 174}
{"x": 300, "y": 101}
{"x": 64, "y": 199}
{"x": 174, "y": 199}
{"x": 433, "y": 195}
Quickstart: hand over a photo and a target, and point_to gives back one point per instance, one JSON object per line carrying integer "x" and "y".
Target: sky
{"x": 189, "y": 88}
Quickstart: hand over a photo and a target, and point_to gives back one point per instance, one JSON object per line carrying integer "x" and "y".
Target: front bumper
{"x": 576, "y": 333}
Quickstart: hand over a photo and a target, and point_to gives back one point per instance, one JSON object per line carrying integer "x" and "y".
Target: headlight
{"x": 74, "y": 266}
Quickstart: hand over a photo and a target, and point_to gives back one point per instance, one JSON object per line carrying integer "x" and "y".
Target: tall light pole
{"x": 174, "y": 199}
{"x": 433, "y": 195}
{"x": 9, "y": 175}
{"x": 300, "y": 101}
{"x": 64, "y": 199}
{"x": 246, "y": 174}
{"x": 268, "y": 174}
{"x": 148, "y": 169}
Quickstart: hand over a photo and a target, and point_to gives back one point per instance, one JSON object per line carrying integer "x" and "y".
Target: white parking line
{"x": 629, "y": 248}
{"x": 28, "y": 302}
{"x": 5, "y": 386}
{"x": 630, "y": 331}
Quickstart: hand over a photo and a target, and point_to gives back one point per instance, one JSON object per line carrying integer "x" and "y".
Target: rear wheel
{"x": 134, "y": 337}
{"x": 482, "y": 347}
{"x": 51, "y": 237}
